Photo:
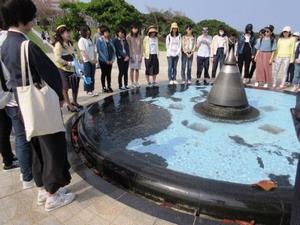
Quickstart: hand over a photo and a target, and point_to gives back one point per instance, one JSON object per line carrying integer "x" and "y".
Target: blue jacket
{"x": 119, "y": 49}
{"x": 241, "y": 44}
{"x": 103, "y": 51}
{"x": 297, "y": 53}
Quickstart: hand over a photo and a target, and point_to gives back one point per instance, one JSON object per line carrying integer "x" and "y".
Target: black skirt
{"x": 152, "y": 65}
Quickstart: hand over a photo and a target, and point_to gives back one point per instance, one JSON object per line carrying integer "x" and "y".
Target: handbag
{"x": 40, "y": 108}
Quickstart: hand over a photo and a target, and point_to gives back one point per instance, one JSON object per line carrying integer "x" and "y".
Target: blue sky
{"x": 234, "y": 12}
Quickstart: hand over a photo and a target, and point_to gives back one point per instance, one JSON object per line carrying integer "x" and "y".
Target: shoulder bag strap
{"x": 25, "y": 67}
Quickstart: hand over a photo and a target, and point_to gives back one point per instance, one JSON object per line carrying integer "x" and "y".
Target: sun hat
{"x": 297, "y": 34}
{"x": 174, "y": 26}
{"x": 152, "y": 29}
{"x": 61, "y": 26}
{"x": 287, "y": 29}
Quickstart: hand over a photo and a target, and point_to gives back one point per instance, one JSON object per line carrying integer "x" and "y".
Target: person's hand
{"x": 126, "y": 59}
{"x": 255, "y": 59}
{"x": 271, "y": 62}
{"x": 61, "y": 103}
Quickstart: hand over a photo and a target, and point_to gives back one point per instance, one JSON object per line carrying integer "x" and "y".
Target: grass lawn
{"x": 38, "y": 42}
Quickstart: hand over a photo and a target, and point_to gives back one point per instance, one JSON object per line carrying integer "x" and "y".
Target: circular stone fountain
{"x": 151, "y": 141}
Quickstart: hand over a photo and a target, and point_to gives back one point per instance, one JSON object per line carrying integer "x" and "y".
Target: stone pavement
{"x": 91, "y": 207}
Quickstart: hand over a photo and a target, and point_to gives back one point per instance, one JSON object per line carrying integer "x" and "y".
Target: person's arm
{"x": 212, "y": 48}
{"x": 179, "y": 47}
{"x": 57, "y": 50}
{"x": 168, "y": 42}
{"x": 44, "y": 69}
{"x": 292, "y": 52}
{"x": 100, "y": 50}
{"x": 275, "y": 53}
{"x": 198, "y": 44}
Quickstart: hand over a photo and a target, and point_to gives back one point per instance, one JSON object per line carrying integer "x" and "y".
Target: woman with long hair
{"x": 284, "y": 55}
{"x": 64, "y": 54}
{"x": 246, "y": 51}
{"x": 135, "y": 43}
{"x": 88, "y": 55}
{"x": 265, "y": 47}
{"x": 173, "y": 45}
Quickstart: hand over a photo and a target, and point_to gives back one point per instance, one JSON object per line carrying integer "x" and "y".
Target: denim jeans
{"x": 218, "y": 58}
{"x": 172, "y": 67}
{"x": 296, "y": 80}
{"x": 202, "y": 62}
{"x": 23, "y": 148}
{"x": 186, "y": 62}
{"x": 89, "y": 71}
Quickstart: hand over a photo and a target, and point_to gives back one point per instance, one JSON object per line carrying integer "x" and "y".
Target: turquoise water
{"x": 240, "y": 153}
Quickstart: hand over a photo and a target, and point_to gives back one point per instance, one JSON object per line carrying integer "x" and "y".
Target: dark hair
{"x": 281, "y": 34}
{"x": 15, "y": 12}
{"x": 273, "y": 37}
{"x": 84, "y": 32}
{"x": 104, "y": 29}
{"x": 262, "y": 31}
{"x": 58, "y": 36}
{"x": 177, "y": 32}
{"x": 134, "y": 26}
{"x": 120, "y": 29}
{"x": 189, "y": 26}
{"x": 151, "y": 33}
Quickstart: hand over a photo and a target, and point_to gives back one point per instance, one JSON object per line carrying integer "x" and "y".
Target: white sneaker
{"x": 43, "y": 195}
{"x": 95, "y": 94}
{"x": 28, "y": 184}
{"x": 256, "y": 84}
{"x": 183, "y": 82}
{"x": 175, "y": 82}
{"x": 21, "y": 177}
{"x": 265, "y": 85}
{"x": 137, "y": 84}
{"x": 133, "y": 85}
{"x": 58, "y": 200}
{"x": 171, "y": 82}
{"x": 295, "y": 88}
{"x": 90, "y": 94}
{"x": 189, "y": 82}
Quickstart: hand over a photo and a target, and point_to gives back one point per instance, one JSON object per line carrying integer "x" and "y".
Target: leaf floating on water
{"x": 266, "y": 185}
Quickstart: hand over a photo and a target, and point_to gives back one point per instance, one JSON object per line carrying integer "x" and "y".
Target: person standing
{"x": 246, "y": 51}
{"x": 265, "y": 47}
{"x": 173, "y": 45}
{"x": 9, "y": 159}
{"x": 135, "y": 43}
{"x": 106, "y": 55}
{"x": 296, "y": 79}
{"x": 88, "y": 55}
{"x": 203, "y": 54}
{"x": 151, "y": 52}
{"x": 284, "y": 55}
{"x": 122, "y": 54}
{"x": 219, "y": 50}
{"x": 49, "y": 152}
{"x": 64, "y": 54}
{"x": 187, "y": 56}
{"x": 291, "y": 69}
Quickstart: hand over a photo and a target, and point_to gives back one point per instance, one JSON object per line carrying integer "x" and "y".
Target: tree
{"x": 213, "y": 26}
{"x": 112, "y": 13}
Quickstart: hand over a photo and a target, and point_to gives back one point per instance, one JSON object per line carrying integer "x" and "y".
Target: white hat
{"x": 287, "y": 29}
{"x": 297, "y": 34}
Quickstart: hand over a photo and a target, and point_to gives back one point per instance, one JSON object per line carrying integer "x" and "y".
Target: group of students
{"x": 263, "y": 54}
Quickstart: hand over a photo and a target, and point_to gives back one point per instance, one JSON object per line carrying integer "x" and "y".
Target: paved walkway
{"x": 92, "y": 207}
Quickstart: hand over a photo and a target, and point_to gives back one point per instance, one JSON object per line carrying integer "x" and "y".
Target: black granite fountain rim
{"x": 268, "y": 207}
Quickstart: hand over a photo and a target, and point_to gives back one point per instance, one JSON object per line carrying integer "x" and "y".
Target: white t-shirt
{"x": 221, "y": 42}
{"x": 204, "y": 49}
{"x": 87, "y": 45}
{"x": 153, "y": 46}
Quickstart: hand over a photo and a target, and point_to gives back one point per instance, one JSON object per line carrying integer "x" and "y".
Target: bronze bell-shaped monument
{"x": 227, "y": 99}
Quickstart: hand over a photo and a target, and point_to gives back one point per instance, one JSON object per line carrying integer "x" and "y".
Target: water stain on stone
{"x": 147, "y": 143}
{"x": 293, "y": 158}
{"x": 198, "y": 127}
{"x": 204, "y": 93}
{"x": 176, "y": 106}
{"x": 260, "y": 162}
{"x": 271, "y": 129}
{"x": 282, "y": 180}
{"x": 268, "y": 108}
{"x": 239, "y": 140}
{"x": 185, "y": 123}
{"x": 196, "y": 99}
{"x": 174, "y": 99}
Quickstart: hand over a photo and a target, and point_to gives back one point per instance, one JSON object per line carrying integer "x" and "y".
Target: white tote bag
{"x": 40, "y": 108}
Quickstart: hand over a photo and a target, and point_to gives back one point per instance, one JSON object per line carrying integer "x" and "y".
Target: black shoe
{"x": 73, "y": 110}
{"x": 205, "y": 83}
{"x": 197, "y": 82}
{"x": 77, "y": 105}
{"x": 110, "y": 90}
{"x": 14, "y": 165}
{"x": 105, "y": 90}
{"x": 127, "y": 88}
{"x": 121, "y": 88}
